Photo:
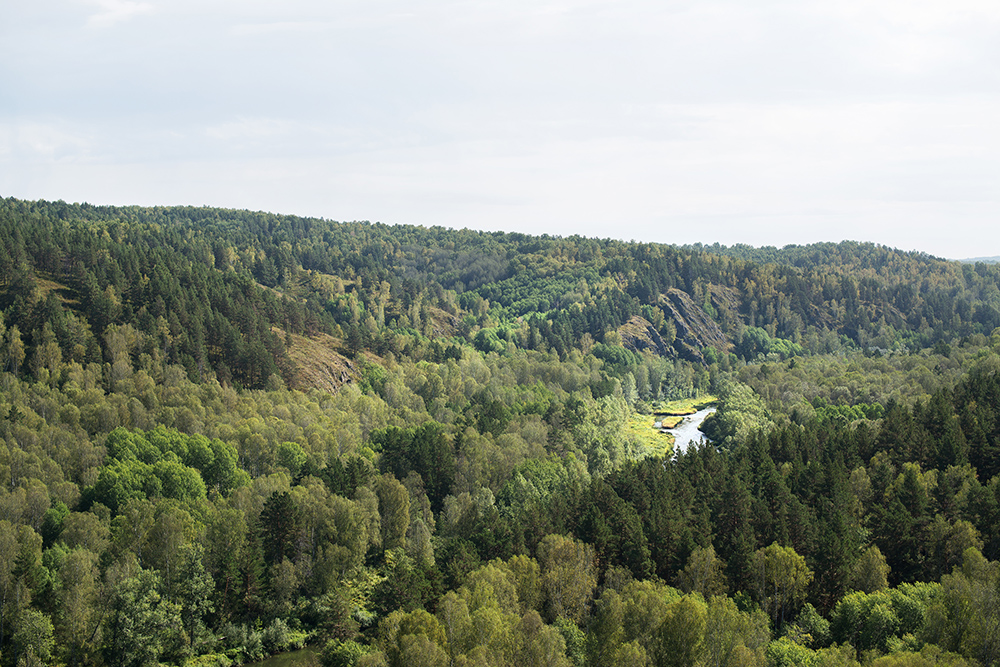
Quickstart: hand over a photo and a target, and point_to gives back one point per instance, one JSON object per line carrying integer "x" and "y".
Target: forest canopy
{"x": 227, "y": 434}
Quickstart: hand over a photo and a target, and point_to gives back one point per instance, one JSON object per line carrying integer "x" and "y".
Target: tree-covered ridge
{"x": 476, "y": 493}
{"x": 213, "y": 284}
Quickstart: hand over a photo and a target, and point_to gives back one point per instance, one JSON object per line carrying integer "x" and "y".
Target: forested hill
{"x": 226, "y": 434}
{"x": 223, "y": 291}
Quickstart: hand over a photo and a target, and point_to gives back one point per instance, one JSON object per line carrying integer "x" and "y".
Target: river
{"x": 686, "y": 433}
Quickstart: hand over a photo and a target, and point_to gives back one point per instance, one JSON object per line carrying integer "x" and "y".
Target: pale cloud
{"x": 923, "y": 16}
{"x": 36, "y": 141}
{"x": 914, "y": 36}
{"x": 112, "y": 12}
{"x": 261, "y": 29}
{"x": 249, "y": 128}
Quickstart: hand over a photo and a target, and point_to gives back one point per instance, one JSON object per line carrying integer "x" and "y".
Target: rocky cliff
{"x": 695, "y": 329}
{"x": 639, "y": 335}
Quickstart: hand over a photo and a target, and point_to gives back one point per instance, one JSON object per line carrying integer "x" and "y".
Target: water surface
{"x": 686, "y": 433}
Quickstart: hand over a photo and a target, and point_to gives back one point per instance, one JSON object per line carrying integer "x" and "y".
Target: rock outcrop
{"x": 317, "y": 364}
{"x": 639, "y": 335}
{"x": 695, "y": 329}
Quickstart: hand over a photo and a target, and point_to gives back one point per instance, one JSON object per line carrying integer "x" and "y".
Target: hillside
{"x": 213, "y": 287}
{"x": 224, "y": 434}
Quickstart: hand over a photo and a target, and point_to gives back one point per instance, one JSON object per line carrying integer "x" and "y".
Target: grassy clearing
{"x": 45, "y": 285}
{"x": 687, "y": 406}
{"x": 670, "y": 421}
{"x": 656, "y": 442}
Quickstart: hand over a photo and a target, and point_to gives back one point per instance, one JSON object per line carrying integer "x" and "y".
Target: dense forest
{"x": 228, "y": 434}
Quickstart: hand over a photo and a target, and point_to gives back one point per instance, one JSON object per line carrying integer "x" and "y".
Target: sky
{"x": 731, "y": 121}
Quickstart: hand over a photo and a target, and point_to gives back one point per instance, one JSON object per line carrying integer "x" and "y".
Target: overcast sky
{"x": 732, "y": 121}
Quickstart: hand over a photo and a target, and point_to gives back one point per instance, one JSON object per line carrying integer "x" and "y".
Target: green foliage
{"x": 928, "y": 656}
{"x": 780, "y": 576}
{"x": 965, "y": 616}
{"x": 703, "y": 574}
{"x": 163, "y": 463}
{"x": 568, "y": 576}
{"x": 734, "y": 636}
{"x": 142, "y": 626}
{"x": 33, "y": 636}
{"x": 680, "y": 638}
{"x": 756, "y": 343}
{"x": 741, "y": 412}
{"x": 176, "y": 488}
{"x": 339, "y": 653}
{"x": 575, "y": 639}
{"x": 870, "y": 573}
{"x": 373, "y": 378}
{"x": 810, "y": 628}
{"x": 281, "y": 525}
{"x": 786, "y": 653}
{"x": 615, "y": 355}
{"x": 291, "y": 456}
{"x": 841, "y": 414}
{"x": 425, "y": 449}
{"x": 872, "y": 620}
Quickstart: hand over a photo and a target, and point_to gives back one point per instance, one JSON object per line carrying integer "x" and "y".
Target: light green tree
{"x": 526, "y": 577}
{"x": 394, "y": 511}
{"x": 780, "y": 578}
{"x": 568, "y": 576}
{"x": 141, "y": 626}
{"x": 704, "y": 573}
{"x": 680, "y": 639}
{"x": 966, "y": 619}
{"x": 453, "y": 614}
{"x": 15, "y": 350}
{"x": 606, "y": 629}
{"x": 540, "y": 645}
{"x": 631, "y": 654}
{"x": 732, "y": 637}
{"x": 78, "y": 605}
{"x": 192, "y": 587}
{"x": 870, "y": 572}
{"x": 33, "y": 637}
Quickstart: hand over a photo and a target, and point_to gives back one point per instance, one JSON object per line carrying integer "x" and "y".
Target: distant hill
{"x": 244, "y": 296}
{"x": 985, "y": 260}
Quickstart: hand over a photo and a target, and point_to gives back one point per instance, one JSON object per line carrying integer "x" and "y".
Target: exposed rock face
{"x": 317, "y": 364}
{"x": 639, "y": 335}
{"x": 443, "y": 323}
{"x": 695, "y": 329}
